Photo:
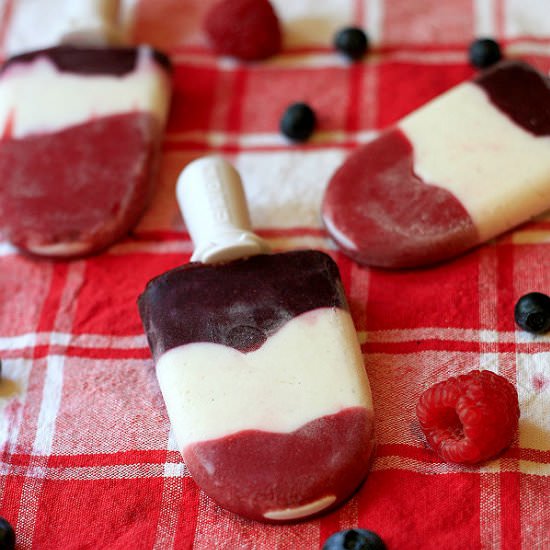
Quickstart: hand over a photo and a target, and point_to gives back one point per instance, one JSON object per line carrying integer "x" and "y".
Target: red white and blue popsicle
{"x": 80, "y": 135}
{"x": 258, "y": 362}
{"x": 466, "y": 167}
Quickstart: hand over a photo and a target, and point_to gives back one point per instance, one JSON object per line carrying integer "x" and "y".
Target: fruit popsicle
{"x": 81, "y": 133}
{"x": 35, "y": 24}
{"x": 466, "y": 167}
{"x": 258, "y": 362}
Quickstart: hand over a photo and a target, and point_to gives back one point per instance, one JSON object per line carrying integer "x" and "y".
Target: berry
{"x": 7, "y": 535}
{"x": 246, "y": 29}
{"x": 469, "y": 418}
{"x": 532, "y": 312}
{"x": 484, "y": 52}
{"x": 354, "y": 539}
{"x": 352, "y": 42}
{"x": 298, "y": 122}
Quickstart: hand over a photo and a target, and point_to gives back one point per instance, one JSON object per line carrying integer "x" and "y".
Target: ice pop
{"x": 258, "y": 362}
{"x": 466, "y": 167}
{"x": 81, "y": 132}
{"x": 36, "y": 24}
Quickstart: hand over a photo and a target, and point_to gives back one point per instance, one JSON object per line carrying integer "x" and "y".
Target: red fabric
{"x": 86, "y": 455}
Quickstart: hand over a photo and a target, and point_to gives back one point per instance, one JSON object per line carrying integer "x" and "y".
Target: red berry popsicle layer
{"x": 468, "y": 166}
{"x": 81, "y": 131}
{"x": 263, "y": 380}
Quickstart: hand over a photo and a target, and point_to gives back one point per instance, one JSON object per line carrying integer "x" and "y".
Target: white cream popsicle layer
{"x": 463, "y": 143}
{"x": 67, "y": 97}
{"x": 212, "y": 390}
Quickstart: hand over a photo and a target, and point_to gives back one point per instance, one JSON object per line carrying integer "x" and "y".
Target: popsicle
{"x": 464, "y": 168}
{"x": 258, "y": 362}
{"x": 35, "y": 24}
{"x": 81, "y": 132}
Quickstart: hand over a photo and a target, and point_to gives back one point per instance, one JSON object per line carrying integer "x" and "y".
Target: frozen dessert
{"x": 466, "y": 167}
{"x": 258, "y": 362}
{"x": 81, "y": 133}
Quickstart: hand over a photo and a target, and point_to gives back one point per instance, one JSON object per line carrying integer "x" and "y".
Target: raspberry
{"x": 469, "y": 418}
{"x": 246, "y": 29}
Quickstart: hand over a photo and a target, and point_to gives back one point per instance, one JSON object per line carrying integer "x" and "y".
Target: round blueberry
{"x": 532, "y": 312}
{"x": 354, "y": 539}
{"x": 298, "y": 122}
{"x": 7, "y": 535}
{"x": 352, "y": 42}
{"x": 484, "y": 52}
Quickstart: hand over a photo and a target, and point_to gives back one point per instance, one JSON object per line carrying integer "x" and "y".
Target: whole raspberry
{"x": 246, "y": 29}
{"x": 469, "y": 418}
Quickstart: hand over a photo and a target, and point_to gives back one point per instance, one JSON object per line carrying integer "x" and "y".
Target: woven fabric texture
{"x": 87, "y": 457}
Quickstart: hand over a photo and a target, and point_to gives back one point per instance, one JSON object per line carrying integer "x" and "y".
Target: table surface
{"x": 87, "y": 456}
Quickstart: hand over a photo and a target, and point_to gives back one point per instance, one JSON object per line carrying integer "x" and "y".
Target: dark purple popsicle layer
{"x": 88, "y": 60}
{"x": 237, "y": 304}
{"x": 520, "y": 92}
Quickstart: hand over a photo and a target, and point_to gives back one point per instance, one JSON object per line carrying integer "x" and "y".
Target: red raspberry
{"x": 247, "y": 29}
{"x": 469, "y": 418}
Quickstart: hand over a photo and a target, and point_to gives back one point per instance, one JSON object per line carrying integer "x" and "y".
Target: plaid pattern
{"x": 87, "y": 459}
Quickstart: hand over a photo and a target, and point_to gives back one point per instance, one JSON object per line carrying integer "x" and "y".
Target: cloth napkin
{"x": 87, "y": 457}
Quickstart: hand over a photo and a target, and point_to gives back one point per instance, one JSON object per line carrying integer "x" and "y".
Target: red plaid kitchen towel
{"x": 87, "y": 456}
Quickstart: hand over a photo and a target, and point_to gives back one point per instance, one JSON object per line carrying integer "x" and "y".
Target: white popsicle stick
{"x": 92, "y": 23}
{"x": 37, "y": 24}
{"x": 213, "y": 204}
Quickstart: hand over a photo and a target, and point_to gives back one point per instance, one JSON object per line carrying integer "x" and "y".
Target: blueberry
{"x": 532, "y": 312}
{"x": 484, "y": 52}
{"x": 298, "y": 122}
{"x": 352, "y": 42}
{"x": 354, "y": 539}
{"x": 7, "y": 535}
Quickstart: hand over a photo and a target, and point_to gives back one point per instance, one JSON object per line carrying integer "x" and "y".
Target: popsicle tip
{"x": 298, "y": 512}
